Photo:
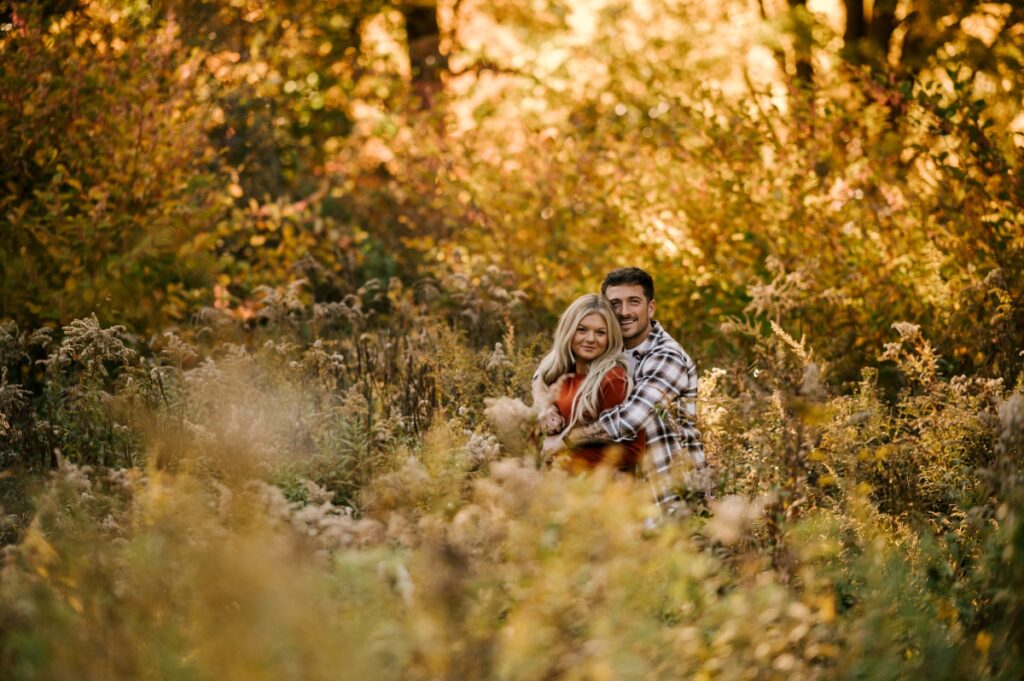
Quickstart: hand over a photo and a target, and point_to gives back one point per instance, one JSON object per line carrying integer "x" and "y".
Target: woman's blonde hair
{"x": 560, "y": 360}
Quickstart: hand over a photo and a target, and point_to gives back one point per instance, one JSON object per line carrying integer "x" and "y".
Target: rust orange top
{"x": 623, "y": 456}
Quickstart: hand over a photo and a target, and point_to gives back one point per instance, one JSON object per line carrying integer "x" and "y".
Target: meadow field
{"x": 275, "y": 276}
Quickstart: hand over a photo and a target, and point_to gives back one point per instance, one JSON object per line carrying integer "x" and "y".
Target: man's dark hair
{"x": 629, "y": 276}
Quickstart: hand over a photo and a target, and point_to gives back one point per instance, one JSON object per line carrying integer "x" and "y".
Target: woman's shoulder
{"x": 614, "y": 383}
{"x": 614, "y": 386}
{"x": 617, "y": 374}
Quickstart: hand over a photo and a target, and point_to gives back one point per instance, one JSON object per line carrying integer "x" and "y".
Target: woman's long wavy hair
{"x": 560, "y": 360}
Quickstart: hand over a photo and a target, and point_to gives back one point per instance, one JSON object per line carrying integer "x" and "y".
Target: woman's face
{"x": 591, "y": 338}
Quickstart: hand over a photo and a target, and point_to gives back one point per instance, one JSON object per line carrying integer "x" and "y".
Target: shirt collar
{"x": 653, "y": 340}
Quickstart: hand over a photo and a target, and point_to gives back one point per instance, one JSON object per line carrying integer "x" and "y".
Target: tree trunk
{"x": 883, "y": 25}
{"x": 867, "y": 37}
{"x": 856, "y": 23}
{"x": 423, "y": 41}
{"x": 802, "y": 42}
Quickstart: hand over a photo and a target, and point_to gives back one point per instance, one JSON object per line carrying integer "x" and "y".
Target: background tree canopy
{"x": 831, "y": 166}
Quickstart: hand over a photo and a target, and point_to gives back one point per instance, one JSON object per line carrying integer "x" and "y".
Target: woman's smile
{"x": 590, "y": 340}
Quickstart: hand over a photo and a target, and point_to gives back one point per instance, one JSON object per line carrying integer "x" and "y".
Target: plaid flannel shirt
{"x": 663, "y": 403}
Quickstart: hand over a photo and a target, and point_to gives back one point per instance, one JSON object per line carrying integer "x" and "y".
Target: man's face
{"x": 633, "y": 310}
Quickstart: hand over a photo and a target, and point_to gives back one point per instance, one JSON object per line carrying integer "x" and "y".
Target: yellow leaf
{"x": 983, "y": 641}
{"x": 827, "y": 607}
{"x": 40, "y": 550}
{"x": 236, "y": 190}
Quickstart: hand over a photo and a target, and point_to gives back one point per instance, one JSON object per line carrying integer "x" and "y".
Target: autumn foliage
{"x": 273, "y": 276}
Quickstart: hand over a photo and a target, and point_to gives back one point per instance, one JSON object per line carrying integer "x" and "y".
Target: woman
{"x": 584, "y": 374}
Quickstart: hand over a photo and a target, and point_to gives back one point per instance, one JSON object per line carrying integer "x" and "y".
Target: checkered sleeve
{"x": 659, "y": 383}
{"x": 669, "y": 464}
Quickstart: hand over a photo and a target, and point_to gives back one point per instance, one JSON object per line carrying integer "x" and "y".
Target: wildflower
{"x": 785, "y": 292}
{"x": 125, "y": 478}
{"x": 224, "y": 499}
{"x": 511, "y": 420}
{"x": 10, "y": 343}
{"x": 498, "y": 361}
{"x": 912, "y": 353}
{"x": 368, "y": 532}
{"x": 478, "y": 530}
{"x": 178, "y": 351}
{"x": 1011, "y": 416}
{"x": 732, "y": 517}
{"x": 512, "y": 485}
{"x": 317, "y": 494}
{"x": 334, "y": 315}
{"x": 401, "y": 488}
{"x": 87, "y": 343}
{"x": 400, "y": 531}
{"x": 74, "y": 477}
{"x": 14, "y": 344}
{"x": 711, "y": 380}
{"x": 212, "y": 317}
{"x": 12, "y": 398}
{"x": 481, "y": 449}
{"x": 271, "y": 498}
{"x": 810, "y": 385}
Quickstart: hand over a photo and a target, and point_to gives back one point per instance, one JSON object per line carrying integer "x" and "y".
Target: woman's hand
{"x": 550, "y": 421}
{"x": 552, "y": 446}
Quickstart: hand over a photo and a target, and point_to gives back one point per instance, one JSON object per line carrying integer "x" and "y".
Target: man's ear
{"x": 650, "y": 309}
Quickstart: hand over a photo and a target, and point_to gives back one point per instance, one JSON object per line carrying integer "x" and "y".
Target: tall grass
{"x": 322, "y": 495}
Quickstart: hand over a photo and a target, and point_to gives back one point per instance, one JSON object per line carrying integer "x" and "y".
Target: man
{"x": 663, "y": 400}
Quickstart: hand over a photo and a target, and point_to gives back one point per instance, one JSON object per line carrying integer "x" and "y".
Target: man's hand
{"x": 550, "y": 421}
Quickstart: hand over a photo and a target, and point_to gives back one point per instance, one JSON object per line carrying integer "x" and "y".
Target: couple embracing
{"x": 617, "y": 391}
